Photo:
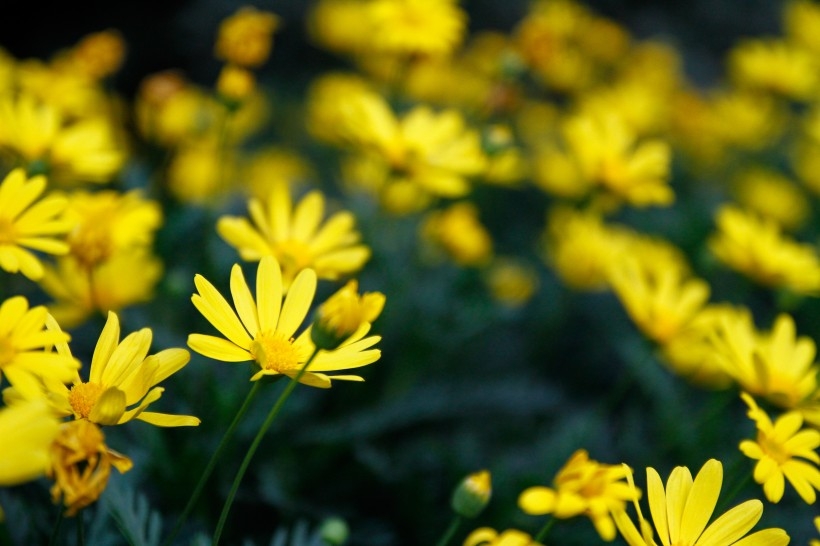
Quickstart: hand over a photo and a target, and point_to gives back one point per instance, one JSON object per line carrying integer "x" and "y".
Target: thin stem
{"x": 226, "y": 508}
{"x": 212, "y": 463}
{"x": 55, "y": 533}
{"x": 451, "y": 531}
{"x": 542, "y": 534}
{"x": 81, "y": 529}
{"x": 742, "y": 483}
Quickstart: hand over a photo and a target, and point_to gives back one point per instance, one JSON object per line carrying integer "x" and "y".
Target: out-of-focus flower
{"x": 296, "y": 236}
{"x": 246, "y": 37}
{"x": 235, "y": 83}
{"x": 682, "y": 510}
{"x": 100, "y": 54}
{"x": 583, "y": 486}
{"x": 458, "y": 232}
{"x": 771, "y": 195}
{"x": 512, "y": 283}
{"x": 262, "y": 329}
{"x": 783, "y": 452}
{"x": 415, "y": 27}
{"x": 27, "y": 431}
{"x": 26, "y": 223}
{"x": 472, "y": 495}
{"x": 81, "y": 464}
{"x": 344, "y": 313}
{"x": 774, "y": 65}
{"x": 757, "y": 248}
{"x": 270, "y": 166}
{"x": 122, "y": 374}
{"x": 744, "y": 119}
{"x": 486, "y": 536}
{"x": 200, "y": 172}
{"x": 24, "y": 360}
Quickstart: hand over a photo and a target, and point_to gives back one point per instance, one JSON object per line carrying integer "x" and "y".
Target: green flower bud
{"x": 472, "y": 494}
{"x": 334, "y": 531}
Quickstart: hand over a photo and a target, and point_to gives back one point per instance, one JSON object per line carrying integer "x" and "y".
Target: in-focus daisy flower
{"x": 262, "y": 329}
{"x": 296, "y": 235}
{"x": 758, "y": 249}
{"x": 122, "y": 380}
{"x": 486, "y": 536}
{"x": 582, "y": 487}
{"x": 26, "y": 223}
{"x": 682, "y": 510}
{"x": 783, "y": 452}
{"x": 81, "y": 464}
{"x": 24, "y": 361}
{"x": 774, "y": 65}
{"x": 27, "y": 431}
{"x": 457, "y": 231}
{"x": 246, "y": 37}
{"x": 345, "y": 312}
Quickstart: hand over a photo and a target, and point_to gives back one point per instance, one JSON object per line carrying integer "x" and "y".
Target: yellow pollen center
{"x": 83, "y": 397}
{"x": 773, "y": 449}
{"x": 273, "y": 351}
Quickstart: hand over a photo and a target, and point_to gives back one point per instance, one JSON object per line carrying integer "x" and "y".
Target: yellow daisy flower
{"x": 485, "y": 536}
{"x": 774, "y": 65}
{"x": 582, "y": 487}
{"x": 345, "y": 311}
{"x": 27, "y": 431}
{"x": 262, "y": 329}
{"x": 25, "y": 224}
{"x": 295, "y": 235}
{"x": 458, "y": 232}
{"x": 24, "y": 339}
{"x": 246, "y": 37}
{"x": 122, "y": 374}
{"x": 783, "y": 450}
{"x": 425, "y": 27}
{"x": 682, "y": 510}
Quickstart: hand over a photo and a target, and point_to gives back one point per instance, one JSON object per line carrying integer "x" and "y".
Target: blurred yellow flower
{"x": 235, "y": 83}
{"x": 296, "y": 236}
{"x": 200, "y": 172}
{"x": 274, "y": 165}
{"x": 414, "y": 27}
{"x": 512, "y": 283}
{"x": 343, "y": 313}
{"x": 783, "y": 450}
{"x": 246, "y": 37}
{"x": 682, "y": 510}
{"x": 745, "y": 119}
{"x": 24, "y": 340}
{"x": 485, "y": 536}
{"x": 26, "y": 223}
{"x": 774, "y": 65}
{"x": 457, "y": 231}
{"x": 757, "y": 248}
{"x": 262, "y": 329}
{"x": 81, "y": 464}
{"x": 583, "y": 487}
{"x": 771, "y": 195}
{"x": 99, "y": 54}
{"x": 27, "y": 431}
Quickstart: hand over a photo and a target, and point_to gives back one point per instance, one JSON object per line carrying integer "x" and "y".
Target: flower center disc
{"x": 83, "y": 397}
{"x": 273, "y": 351}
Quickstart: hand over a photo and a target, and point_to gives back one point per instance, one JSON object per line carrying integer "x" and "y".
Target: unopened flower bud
{"x": 334, "y": 531}
{"x": 472, "y": 494}
{"x": 343, "y": 314}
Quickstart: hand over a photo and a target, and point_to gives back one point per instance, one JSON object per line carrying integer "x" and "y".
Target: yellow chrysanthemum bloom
{"x": 486, "y": 536}
{"x": 774, "y": 65}
{"x": 512, "y": 283}
{"x": 26, "y": 223}
{"x": 772, "y": 195}
{"x": 246, "y": 37}
{"x": 458, "y": 232}
{"x": 661, "y": 301}
{"x": 296, "y": 236}
{"x": 69, "y": 151}
{"x": 107, "y": 222}
{"x": 122, "y": 374}
{"x": 414, "y": 27}
{"x": 778, "y": 365}
{"x": 783, "y": 452}
{"x": 125, "y": 279}
{"x": 343, "y": 313}
{"x": 682, "y": 510}
{"x": 27, "y": 431}
{"x": 24, "y": 361}
{"x": 81, "y": 464}
{"x": 757, "y": 248}
{"x": 99, "y": 55}
{"x": 583, "y": 487}
{"x": 262, "y": 329}
{"x": 609, "y": 156}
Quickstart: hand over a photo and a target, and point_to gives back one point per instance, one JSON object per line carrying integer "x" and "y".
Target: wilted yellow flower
{"x": 296, "y": 236}
{"x": 343, "y": 313}
{"x": 756, "y": 248}
{"x": 100, "y": 54}
{"x": 609, "y": 156}
{"x": 246, "y": 37}
{"x": 107, "y": 222}
{"x": 783, "y": 451}
{"x": 485, "y": 536}
{"x": 774, "y": 65}
{"x": 682, "y": 510}
{"x": 772, "y": 195}
{"x": 414, "y": 27}
{"x": 583, "y": 486}
{"x": 24, "y": 361}
{"x": 661, "y": 300}
{"x": 458, "y": 232}
{"x": 262, "y": 329}
{"x": 27, "y": 431}
{"x": 511, "y": 283}
{"x": 81, "y": 464}
{"x": 126, "y": 278}
{"x": 26, "y": 223}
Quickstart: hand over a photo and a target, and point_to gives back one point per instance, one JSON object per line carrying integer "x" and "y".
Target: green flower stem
{"x": 55, "y": 533}
{"x": 542, "y": 534}
{"x": 451, "y": 531}
{"x": 226, "y": 508}
{"x": 212, "y": 463}
{"x": 739, "y": 486}
{"x": 81, "y": 528}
